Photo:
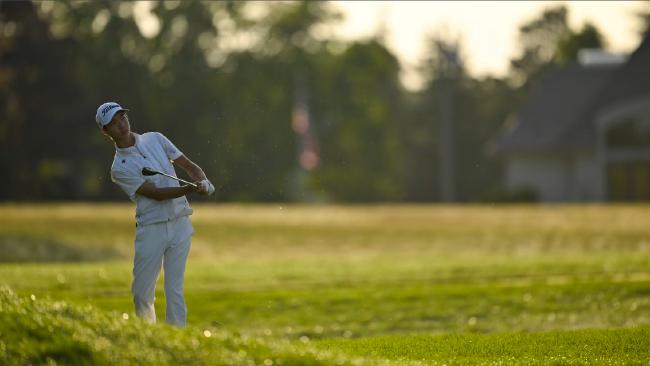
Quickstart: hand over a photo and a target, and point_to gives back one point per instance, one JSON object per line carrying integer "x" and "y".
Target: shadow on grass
{"x": 26, "y": 249}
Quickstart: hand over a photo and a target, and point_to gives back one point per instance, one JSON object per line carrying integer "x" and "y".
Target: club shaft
{"x": 178, "y": 179}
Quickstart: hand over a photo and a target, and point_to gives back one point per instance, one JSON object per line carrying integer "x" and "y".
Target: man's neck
{"x": 127, "y": 141}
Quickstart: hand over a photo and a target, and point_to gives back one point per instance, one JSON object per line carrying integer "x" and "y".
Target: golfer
{"x": 163, "y": 227}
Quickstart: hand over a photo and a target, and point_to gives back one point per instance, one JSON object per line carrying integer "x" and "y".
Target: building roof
{"x": 560, "y": 111}
{"x": 630, "y": 80}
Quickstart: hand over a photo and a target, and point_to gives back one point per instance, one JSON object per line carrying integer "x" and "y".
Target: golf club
{"x": 149, "y": 171}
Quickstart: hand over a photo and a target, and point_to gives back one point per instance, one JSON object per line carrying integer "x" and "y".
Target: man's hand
{"x": 205, "y": 187}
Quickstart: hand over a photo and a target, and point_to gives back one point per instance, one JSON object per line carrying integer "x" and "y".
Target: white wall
{"x": 548, "y": 176}
{"x": 556, "y": 177}
{"x": 587, "y": 178}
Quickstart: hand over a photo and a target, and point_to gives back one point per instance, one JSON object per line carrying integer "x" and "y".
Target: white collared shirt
{"x": 155, "y": 151}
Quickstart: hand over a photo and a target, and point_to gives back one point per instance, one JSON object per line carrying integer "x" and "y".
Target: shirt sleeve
{"x": 128, "y": 181}
{"x": 170, "y": 149}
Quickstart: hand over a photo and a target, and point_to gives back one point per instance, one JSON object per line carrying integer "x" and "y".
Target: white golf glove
{"x": 206, "y": 187}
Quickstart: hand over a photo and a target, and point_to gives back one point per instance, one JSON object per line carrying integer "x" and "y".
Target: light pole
{"x": 448, "y": 69}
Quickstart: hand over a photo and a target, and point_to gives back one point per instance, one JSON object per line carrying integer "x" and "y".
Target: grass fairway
{"x": 364, "y": 284}
{"x": 578, "y": 347}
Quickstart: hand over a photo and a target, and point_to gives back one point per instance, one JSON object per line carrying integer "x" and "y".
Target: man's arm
{"x": 194, "y": 171}
{"x": 149, "y": 190}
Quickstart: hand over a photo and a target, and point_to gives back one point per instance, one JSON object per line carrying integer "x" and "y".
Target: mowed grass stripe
{"x": 258, "y": 299}
{"x": 294, "y": 231}
{"x": 580, "y": 347}
{"x": 293, "y": 304}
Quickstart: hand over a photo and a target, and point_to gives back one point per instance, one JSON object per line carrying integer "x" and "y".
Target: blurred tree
{"x": 254, "y": 142}
{"x": 570, "y": 44}
{"x": 539, "y": 39}
{"x": 478, "y": 109}
{"x": 285, "y": 53}
{"x": 644, "y": 18}
{"x": 219, "y": 82}
{"x": 352, "y": 97}
{"x": 37, "y": 127}
{"x": 547, "y": 42}
{"x": 420, "y": 136}
{"x": 359, "y": 106}
{"x": 290, "y": 49}
{"x": 430, "y": 136}
{"x": 487, "y": 103}
{"x": 67, "y": 58}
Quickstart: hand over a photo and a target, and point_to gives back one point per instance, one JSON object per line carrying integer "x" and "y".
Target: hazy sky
{"x": 487, "y": 29}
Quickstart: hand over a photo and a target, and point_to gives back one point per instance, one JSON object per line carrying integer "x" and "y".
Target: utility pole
{"x": 449, "y": 70}
{"x": 446, "y": 141}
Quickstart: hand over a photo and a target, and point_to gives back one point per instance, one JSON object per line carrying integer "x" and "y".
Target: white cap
{"x": 105, "y": 113}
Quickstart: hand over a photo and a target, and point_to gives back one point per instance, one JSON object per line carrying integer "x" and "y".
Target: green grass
{"x": 355, "y": 279}
{"x": 580, "y": 347}
{"x": 37, "y": 331}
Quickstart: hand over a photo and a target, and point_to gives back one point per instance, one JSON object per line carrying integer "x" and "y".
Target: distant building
{"x": 584, "y": 134}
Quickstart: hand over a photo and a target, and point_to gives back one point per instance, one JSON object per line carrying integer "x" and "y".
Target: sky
{"x": 487, "y": 29}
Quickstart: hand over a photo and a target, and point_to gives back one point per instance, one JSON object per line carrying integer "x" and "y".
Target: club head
{"x": 148, "y": 171}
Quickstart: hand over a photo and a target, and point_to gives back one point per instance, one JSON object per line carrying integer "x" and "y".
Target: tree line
{"x": 256, "y": 95}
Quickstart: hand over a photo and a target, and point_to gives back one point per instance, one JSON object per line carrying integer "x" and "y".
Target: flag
{"x": 308, "y": 151}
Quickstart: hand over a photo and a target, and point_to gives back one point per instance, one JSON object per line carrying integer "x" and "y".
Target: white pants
{"x": 162, "y": 244}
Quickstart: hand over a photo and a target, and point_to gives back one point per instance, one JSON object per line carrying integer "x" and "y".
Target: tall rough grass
{"x": 41, "y": 331}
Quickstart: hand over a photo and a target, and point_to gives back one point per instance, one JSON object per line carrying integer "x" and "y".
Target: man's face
{"x": 119, "y": 126}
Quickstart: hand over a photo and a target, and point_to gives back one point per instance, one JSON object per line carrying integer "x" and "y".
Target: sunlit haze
{"x": 487, "y": 29}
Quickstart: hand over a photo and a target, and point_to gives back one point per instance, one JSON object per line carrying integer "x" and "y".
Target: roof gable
{"x": 629, "y": 81}
{"x": 560, "y": 112}
{"x": 554, "y": 106}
